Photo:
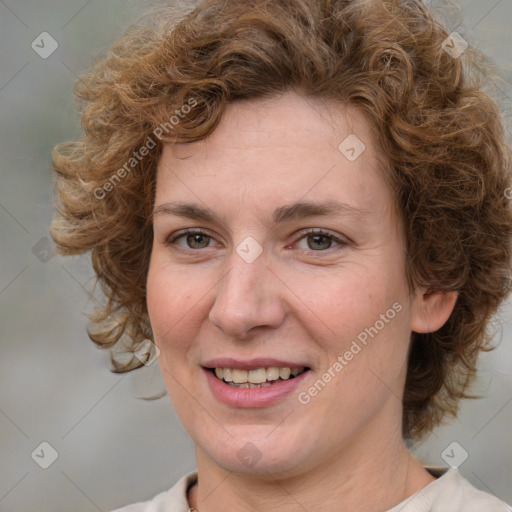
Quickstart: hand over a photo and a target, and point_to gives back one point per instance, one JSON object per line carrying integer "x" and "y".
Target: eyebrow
{"x": 300, "y": 210}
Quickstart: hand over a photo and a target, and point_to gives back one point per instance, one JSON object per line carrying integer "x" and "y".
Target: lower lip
{"x": 252, "y": 397}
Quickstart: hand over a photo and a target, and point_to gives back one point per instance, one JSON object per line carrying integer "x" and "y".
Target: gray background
{"x": 114, "y": 448}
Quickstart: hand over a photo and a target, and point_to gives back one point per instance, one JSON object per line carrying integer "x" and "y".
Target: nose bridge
{"x": 243, "y": 280}
{"x": 245, "y": 297}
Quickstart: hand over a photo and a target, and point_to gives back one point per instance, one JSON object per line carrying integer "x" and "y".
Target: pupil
{"x": 199, "y": 239}
{"x": 318, "y": 238}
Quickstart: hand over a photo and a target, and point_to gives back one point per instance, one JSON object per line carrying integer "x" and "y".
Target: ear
{"x": 431, "y": 309}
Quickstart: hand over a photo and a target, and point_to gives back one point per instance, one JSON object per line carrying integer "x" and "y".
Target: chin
{"x": 260, "y": 452}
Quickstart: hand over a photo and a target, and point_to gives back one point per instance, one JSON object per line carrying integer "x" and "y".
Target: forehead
{"x": 287, "y": 119}
{"x": 275, "y": 151}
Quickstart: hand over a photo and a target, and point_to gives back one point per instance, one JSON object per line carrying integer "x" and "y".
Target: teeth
{"x": 239, "y": 376}
{"x": 259, "y": 377}
{"x": 249, "y": 385}
{"x": 273, "y": 373}
{"x": 284, "y": 373}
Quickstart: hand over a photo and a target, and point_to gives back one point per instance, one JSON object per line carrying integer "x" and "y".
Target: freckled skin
{"x": 294, "y": 302}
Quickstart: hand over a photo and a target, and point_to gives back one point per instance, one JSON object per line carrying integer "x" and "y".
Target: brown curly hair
{"x": 446, "y": 158}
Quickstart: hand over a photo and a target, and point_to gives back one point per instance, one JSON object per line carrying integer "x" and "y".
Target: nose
{"x": 249, "y": 296}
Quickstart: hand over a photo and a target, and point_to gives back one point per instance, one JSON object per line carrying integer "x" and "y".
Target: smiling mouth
{"x": 257, "y": 378}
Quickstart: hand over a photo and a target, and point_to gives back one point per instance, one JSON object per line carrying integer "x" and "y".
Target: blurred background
{"x": 73, "y": 435}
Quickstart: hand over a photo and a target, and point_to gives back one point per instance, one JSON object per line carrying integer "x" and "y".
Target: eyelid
{"x": 339, "y": 239}
{"x": 169, "y": 240}
{"x": 326, "y": 232}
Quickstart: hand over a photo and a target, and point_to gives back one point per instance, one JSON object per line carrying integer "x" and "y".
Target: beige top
{"x": 449, "y": 493}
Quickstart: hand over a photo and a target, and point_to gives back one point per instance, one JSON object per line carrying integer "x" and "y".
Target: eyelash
{"x": 318, "y": 232}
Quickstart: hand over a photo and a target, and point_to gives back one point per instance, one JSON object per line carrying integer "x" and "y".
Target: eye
{"x": 318, "y": 240}
{"x": 194, "y": 239}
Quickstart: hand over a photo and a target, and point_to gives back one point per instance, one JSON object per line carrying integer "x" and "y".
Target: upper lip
{"x": 251, "y": 364}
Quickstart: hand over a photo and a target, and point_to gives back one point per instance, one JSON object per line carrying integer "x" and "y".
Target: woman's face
{"x": 253, "y": 287}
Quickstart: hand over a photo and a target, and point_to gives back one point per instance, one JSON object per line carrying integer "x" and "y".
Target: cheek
{"x": 168, "y": 300}
{"x": 346, "y": 300}
{"x": 159, "y": 298}
{"x": 360, "y": 311}
{"x": 177, "y": 299}
{"x": 169, "y": 309}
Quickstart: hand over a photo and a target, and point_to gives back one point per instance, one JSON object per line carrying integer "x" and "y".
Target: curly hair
{"x": 446, "y": 157}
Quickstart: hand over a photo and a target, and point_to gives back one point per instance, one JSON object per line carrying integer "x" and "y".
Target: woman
{"x": 303, "y": 206}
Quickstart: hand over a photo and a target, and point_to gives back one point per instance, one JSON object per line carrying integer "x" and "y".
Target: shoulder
{"x": 451, "y": 493}
{"x": 176, "y": 497}
{"x": 471, "y": 499}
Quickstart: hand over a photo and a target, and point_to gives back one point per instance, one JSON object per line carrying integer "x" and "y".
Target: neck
{"x": 360, "y": 479}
